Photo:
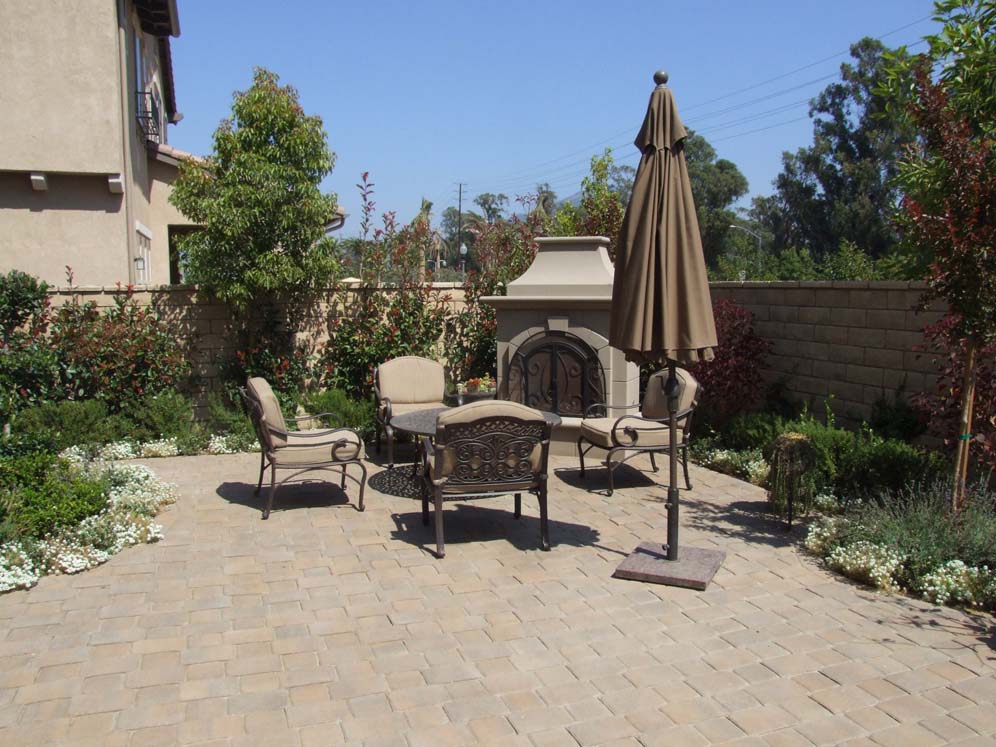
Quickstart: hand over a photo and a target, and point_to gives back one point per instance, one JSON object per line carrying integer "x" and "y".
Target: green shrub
{"x": 850, "y": 464}
{"x": 40, "y": 493}
{"x": 897, "y": 418}
{"x": 918, "y": 523}
{"x": 29, "y": 373}
{"x": 229, "y": 419}
{"x": 23, "y": 297}
{"x": 873, "y": 464}
{"x": 168, "y": 414}
{"x": 357, "y": 414}
{"x": 753, "y": 430}
{"x": 71, "y": 423}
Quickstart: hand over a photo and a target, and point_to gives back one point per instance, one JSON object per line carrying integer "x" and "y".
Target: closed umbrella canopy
{"x": 661, "y": 308}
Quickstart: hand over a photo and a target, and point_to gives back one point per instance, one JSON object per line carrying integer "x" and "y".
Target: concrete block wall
{"x": 208, "y": 329}
{"x": 851, "y": 342}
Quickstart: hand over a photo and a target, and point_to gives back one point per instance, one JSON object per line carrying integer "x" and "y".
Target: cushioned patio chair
{"x": 403, "y": 385}
{"x": 298, "y": 451}
{"x": 647, "y": 432}
{"x": 486, "y": 449}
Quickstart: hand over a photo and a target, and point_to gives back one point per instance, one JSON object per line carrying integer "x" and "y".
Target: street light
{"x": 757, "y": 236}
{"x": 463, "y": 258}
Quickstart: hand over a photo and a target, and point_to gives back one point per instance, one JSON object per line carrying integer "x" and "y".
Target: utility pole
{"x": 459, "y": 236}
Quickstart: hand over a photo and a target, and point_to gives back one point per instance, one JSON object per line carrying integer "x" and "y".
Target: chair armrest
{"x": 384, "y": 409}
{"x": 631, "y": 431}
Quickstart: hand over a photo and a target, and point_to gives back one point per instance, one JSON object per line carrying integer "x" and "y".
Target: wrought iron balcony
{"x": 148, "y": 115}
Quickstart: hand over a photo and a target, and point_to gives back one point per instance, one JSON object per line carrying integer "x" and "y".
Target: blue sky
{"x": 501, "y": 96}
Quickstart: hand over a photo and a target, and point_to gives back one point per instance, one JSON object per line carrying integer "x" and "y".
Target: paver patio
{"x": 324, "y": 626}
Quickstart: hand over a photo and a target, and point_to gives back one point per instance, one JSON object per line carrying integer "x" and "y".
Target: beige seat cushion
{"x": 259, "y": 389}
{"x": 303, "y": 448}
{"x": 646, "y": 435}
{"x": 411, "y": 379}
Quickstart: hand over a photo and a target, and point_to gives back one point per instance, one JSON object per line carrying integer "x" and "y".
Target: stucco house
{"x": 86, "y": 101}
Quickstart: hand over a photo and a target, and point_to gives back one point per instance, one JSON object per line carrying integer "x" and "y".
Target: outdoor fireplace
{"x": 553, "y": 327}
{"x": 556, "y": 372}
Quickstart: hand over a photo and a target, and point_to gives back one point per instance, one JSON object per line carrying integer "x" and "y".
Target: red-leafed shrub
{"x": 731, "y": 382}
{"x": 119, "y": 355}
{"x": 943, "y": 405}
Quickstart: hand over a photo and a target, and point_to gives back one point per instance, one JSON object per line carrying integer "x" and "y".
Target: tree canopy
{"x": 257, "y": 198}
{"x": 716, "y": 184}
{"x": 842, "y": 187}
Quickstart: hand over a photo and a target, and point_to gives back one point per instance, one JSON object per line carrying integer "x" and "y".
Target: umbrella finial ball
{"x": 660, "y": 77}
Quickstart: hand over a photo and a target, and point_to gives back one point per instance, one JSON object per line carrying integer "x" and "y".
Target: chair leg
{"x": 273, "y": 489}
{"x": 390, "y": 446}
{"x": 262, "y": 469}
{"x": 425, "y": 504}
{"x": 544, "y": 522}
{"x": 684, "y": 464}
{"x": 581, "y": 456}
{"x": 440, "y": 541}
{"x": 377, "y": 434}
{"x": 652, "y": 462}
{"x": 342, "y": 482}
{"x": 608, "y": 463}
{"x": 363, "y": 484}
{"x": 518, "y": 505}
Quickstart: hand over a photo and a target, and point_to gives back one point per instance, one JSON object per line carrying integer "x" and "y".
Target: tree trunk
{"x": 965, "y": 431}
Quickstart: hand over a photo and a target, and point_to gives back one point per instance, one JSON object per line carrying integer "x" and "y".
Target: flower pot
{"x": 468, "y": 397}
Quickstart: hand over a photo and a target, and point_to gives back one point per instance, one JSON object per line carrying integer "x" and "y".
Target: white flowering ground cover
{"x": 953, "y": 583}
{"x": 135, "y": 496}
{"x": 749, "y": 464}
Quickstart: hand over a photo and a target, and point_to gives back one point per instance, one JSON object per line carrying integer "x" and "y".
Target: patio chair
{"x": 402, "y": 385}
{"x": 646, "y": 432}
{"x": 299, "y": 451}
{"x": 482, "y": 450}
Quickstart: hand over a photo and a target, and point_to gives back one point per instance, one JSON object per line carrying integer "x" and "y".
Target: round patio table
{"x": 423, "y": 422}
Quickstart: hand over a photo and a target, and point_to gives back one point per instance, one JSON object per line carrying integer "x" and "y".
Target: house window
{"x": 139, "y": 48}
{"x": 143, "y": 255}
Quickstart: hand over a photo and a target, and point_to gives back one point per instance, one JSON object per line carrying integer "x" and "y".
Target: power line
{"x": 537, "y": 171}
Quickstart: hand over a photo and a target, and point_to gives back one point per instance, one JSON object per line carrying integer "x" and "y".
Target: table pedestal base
{"x": 694, "y": 568}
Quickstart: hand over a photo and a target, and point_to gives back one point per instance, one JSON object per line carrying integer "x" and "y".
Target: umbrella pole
{"x": 671, "y": 390}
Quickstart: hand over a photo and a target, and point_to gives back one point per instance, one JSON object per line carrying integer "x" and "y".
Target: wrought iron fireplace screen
{"x": 556, "y": 373}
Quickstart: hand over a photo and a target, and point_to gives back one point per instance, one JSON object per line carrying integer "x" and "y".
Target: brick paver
{"x": 325, "y": 626}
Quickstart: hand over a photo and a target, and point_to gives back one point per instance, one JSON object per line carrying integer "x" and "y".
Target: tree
{"x": 842, "y": 186}
{"x": 600, "y": 211}
{"x": 493, "y": 205}
{"x": 949, "y": 181}
{"x": 258, "y": 200}
{"x": 716, "y": 185}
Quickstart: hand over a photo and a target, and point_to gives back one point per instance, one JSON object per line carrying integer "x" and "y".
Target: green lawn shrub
{"x": 168, "y": 414}
{"x": 40, "y": 493}
{"x": 227, "y": 417}
{"x": 58, "y": 425}
{"x": 357, "y": 414}
{"x": 851, "y": 464}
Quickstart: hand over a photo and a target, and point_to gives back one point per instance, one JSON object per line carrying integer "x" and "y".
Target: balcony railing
{"x": 148, "y": 116}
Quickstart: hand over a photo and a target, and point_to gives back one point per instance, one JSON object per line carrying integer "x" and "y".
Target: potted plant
{"x": 472, "y": 390}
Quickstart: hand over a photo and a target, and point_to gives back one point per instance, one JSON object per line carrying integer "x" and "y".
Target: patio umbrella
{"x": 661, "y": 309}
